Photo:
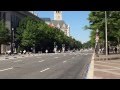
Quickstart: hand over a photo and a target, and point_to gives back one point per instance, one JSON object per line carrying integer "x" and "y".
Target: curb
{"x": 90, "y": 74}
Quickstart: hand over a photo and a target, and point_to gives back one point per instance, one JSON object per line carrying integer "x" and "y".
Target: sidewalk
{"x": 107, "y": 69}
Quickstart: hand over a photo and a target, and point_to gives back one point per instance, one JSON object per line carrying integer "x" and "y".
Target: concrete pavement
{"x": 46, "y": 66}
{"x": 107, "y": 69}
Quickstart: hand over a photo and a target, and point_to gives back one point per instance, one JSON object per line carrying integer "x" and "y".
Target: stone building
{"x": 58, "y": 22}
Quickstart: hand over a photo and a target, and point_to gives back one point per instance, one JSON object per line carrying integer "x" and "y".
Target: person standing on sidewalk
{"x": 116, "y": 50}
{"x": 108, "y": 50}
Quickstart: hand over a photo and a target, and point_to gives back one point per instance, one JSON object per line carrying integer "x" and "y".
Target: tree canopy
{"x": 36, "y": 33}
{"x": 4, "y": 33}
{"x": 97, "y": 21}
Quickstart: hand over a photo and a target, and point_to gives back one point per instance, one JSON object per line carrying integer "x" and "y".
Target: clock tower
{"x": 57, "y": 15}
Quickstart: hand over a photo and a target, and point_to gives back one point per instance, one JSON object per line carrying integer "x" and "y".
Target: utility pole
{"x": 106, "y": 34}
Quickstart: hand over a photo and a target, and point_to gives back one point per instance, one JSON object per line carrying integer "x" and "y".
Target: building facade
{"x": 12, "y": 19}
{"x": 58, "y": 22}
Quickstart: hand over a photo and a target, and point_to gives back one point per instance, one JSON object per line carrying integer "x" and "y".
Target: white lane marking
{"x": 56, "y": 57}
{"x": 45, "y": 69}
{"x": 3, "y": 60}
{"x": 6, "y": 69}
{"x": 18, "y": 61}
{"x": 41, "y": 61}
{"x": 39, "y": 57}
{"x": 64, "y": 61}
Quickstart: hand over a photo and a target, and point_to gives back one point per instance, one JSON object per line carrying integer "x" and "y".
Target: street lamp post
{"x": 12, "y": 41}
{"x": 55, "y": 47}
{"x": 97, "y": 39}
{"x": 106, "y": 33}
{"x": 34, "y": 48}
{"x": 63, "y": 47}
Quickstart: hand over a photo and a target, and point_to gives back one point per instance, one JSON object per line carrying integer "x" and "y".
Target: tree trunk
{"x": 0, "y": 48}
{"x": 118, "y": 41}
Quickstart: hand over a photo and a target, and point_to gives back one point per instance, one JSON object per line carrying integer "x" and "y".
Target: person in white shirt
{"x": 24, "y": 51}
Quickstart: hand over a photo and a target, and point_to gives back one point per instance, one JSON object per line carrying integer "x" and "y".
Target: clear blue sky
{"x": 76, "y": 19}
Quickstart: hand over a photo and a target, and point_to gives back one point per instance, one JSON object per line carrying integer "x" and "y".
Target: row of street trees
{"x": 97, "y": 21}
{"x": 36, "y": 34}
{"x": 86, "y": 45}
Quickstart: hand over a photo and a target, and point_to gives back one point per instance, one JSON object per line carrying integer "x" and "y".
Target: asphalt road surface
{"x": 47, "y": 66}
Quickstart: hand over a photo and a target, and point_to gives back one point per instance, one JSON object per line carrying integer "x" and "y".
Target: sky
{"x": 76, "y": 19}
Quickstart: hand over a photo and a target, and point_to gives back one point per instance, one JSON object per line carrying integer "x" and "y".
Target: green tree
{"x": 97, "y": 21}
{"x": 4, "y": 34}
{"x": 35, "y": 32}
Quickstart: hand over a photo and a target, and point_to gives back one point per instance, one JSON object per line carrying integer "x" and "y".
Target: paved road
{"x": 47, "y": 66}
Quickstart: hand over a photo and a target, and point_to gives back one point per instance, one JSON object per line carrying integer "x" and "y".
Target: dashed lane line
{"x": 18, "y": 61}
{"x": 6, "y": 69}
{"x": 45, "y": 70}
{"x": 56, "y": 57}
{"x": 73, "y": 57}
{"x": 41, "y": 61}
{"x": 64, "y": 61}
